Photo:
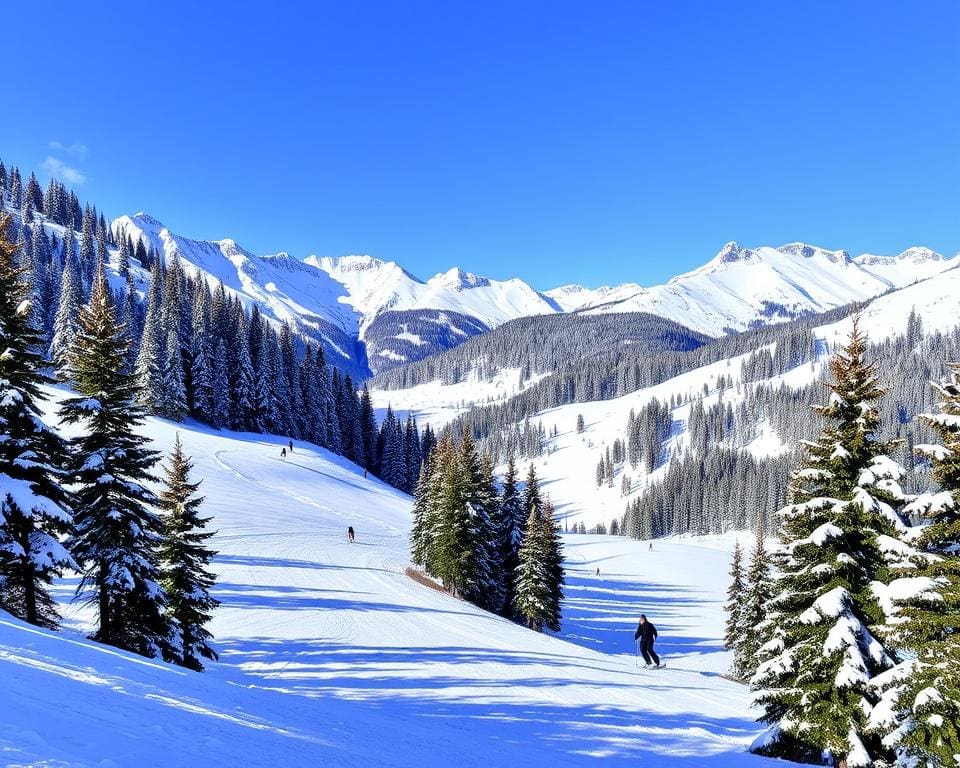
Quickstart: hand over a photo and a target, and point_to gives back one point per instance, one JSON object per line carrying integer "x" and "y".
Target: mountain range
{"x": 372, "y": 315}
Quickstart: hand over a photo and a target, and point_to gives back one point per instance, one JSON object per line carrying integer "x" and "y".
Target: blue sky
{"x": 558, "y": 141}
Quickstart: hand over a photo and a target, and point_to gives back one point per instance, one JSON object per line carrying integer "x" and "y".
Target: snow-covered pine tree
{"x": 735, "y": 593}
{"x": 220, "y": 405}
{"x": 291, "y": 373}
{"x": 411, "y": 454}
{"x": 481, "y": 499}
{"x": 34, "y": 508}
{"x": 201, "y": 370}
{"x": 453, "y": 555}
{"x": 531, "y": 492}
{"x": 116, "y": 533}
{"x": 149, "y": 362}
{"x": 553, "y": 556}
{"x": 173, "y": 393}
{"x": 814, "y": 683}
{"x": 240, "y": 372}
{"x": 65, "y": 322}
{"x": 421, "y": 539}
{"x": 512, "y": 521}
{"x": 368, "y": 436}
{"x": 184, "y": 561}
{"x": 920, "y": 714}
{"x": 532, "y": 584}
{"x": 755, "y": 630}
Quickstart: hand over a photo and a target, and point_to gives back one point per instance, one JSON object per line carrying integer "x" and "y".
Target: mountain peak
{"x": 458, "y": 280}
{"x": 920, "y": 255}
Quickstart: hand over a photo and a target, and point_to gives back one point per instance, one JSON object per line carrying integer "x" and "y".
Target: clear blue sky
{"x": 557, "y": 141}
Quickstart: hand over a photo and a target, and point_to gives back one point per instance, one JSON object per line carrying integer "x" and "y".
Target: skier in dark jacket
{"x": 646, "y": 633}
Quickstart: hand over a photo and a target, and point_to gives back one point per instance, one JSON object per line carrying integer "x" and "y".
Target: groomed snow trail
{"x": 330, "y": 655}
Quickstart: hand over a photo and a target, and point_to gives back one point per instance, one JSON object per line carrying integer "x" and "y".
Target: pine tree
{"x": 34, "y": 508}
{"x": 539, "y": 579}
{"x": 481, "y": 495}
{"x": 368, "y": 435}
{"x": 149, "y": 362}
{"x": 513, "y": 519}
{"x": 116, "y": 532}
{"x": 220, "y": 404}
{"x": 65, "y": 323}
{"x": 173, "y": 393}
{"x": 453, "y": 556}
{"x": 531, "y": 492}
{"x": 185, "y": 560}
{"x": 735, "y": 593}
{"x": 921, "y": 707}
{"x": 815, "y": 686}
{"x": 755, "y": 629}
{"x": 421, "y": 539}
{"x": 553, "y": 556}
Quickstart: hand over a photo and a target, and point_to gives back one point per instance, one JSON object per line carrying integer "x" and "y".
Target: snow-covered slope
{"x": 330, "y": 655}
{"x": 742, "y": 287}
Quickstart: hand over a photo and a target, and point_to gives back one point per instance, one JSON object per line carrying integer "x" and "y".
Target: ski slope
{"x": 330, "y": 655}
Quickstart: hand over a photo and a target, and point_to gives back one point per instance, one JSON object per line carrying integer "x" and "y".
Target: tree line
{"x": 499, "y": 550}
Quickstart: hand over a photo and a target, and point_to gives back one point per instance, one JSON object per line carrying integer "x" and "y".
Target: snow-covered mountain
{"x": 338, "y": 301}
{"x": 372, "y": 315}
{"x": 743, "y": 287}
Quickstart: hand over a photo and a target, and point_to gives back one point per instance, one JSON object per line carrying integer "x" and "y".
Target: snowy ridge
{"x": 742, "y": 287}
{"x": 737, "y": 289}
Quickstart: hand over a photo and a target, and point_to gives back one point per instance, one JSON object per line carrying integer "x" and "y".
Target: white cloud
{"x": 77, "y": 150}
{"x": 62, "y": 171}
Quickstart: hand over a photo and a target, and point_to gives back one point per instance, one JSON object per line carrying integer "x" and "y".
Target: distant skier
{"x": 598, "y": 573}
{"x": 646, "y": 633}
{"x": 350, "y": 536}
{"x": 291, "y": 446}
{"x": 650, "y": 548}
{"x": 283, "y": 454}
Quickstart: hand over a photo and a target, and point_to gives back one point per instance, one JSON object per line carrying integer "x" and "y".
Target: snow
{"x": 331, "y": 655}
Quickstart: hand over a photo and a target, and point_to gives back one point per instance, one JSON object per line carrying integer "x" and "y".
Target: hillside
{"x": 331, "y": 655}
{"x": 749, "y": 394}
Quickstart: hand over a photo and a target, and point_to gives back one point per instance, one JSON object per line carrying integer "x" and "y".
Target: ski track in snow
{"x": 330, "y": 653}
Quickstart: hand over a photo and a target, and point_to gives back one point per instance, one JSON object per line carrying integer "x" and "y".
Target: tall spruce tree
{"x": 755, "y": 628}
{"x": 512, "y": 522}
{"x": 454, "y": 555}
{"x": 34, "y": 508}
{"x": 815, "y": 684}
{"x": 116, "y": 533}
{"x": 185, "y": 560}
{"x": 65, "y": 322}
{"x": 539, "y": 578}
{"x": 921, "y": 706}
{"x": 735, "y": 593}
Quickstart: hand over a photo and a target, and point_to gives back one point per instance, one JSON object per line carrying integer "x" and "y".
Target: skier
{"x": 650, "y": 548}
{"x": 598, "y": 573}
{"x": 350, "y": 536}
{"x": 646, "y": 633}
{"x": 283, "y": 454}
{"x": 291, "y": 446}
